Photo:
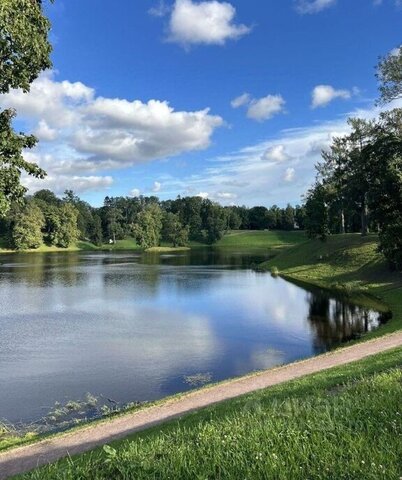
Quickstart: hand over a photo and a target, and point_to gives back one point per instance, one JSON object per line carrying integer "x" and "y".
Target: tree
{"x": 12, "y": 162}
{"x": 317, "y": 220}
{"x": 27, "y": 228}
{"x": 258, "y": 218}
{"x": 148, "y": 226}
{"x": 24, "y": 46}
{"x": 214, "y": 221}
{"x": 389, "y": 74}
{"x": 288, "y": 218}
{"x": 62, "y": 225}
{"x": 24, "y": 53}
{"x": 173, "y": 230}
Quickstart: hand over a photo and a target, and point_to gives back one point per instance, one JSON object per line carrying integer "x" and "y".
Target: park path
{"x": 25, "y": 458}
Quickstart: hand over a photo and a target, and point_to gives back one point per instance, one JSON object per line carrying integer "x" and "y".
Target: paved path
{"x": 23, "y": 459}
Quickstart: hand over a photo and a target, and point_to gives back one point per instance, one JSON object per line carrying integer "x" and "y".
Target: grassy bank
{"x": 349, "y": 264}
{"x": 234, "y": 239}
{"x": 263, "y": 239}
{"x": 342, "y": 423}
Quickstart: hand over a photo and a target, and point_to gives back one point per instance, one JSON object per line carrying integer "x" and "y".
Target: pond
{"x": 137, "y": 327}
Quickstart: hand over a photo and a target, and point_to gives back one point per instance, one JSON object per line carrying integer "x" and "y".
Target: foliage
{"x": 24, "y": 45}
{"x": 62, "y": 230}
{"x": 317, "y": 218}
{"x": 148, "y": 226}
{"x": 27, "y": 227}
{"x": 24, "y": 53}
{"x": 389, "y": 74}
{"x": 174, "y": 231}
{"x": 342, "y": 423}
{"x": 12, "y": 163}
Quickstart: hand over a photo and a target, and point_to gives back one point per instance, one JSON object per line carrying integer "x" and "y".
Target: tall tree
{"x": 389, "y": 74}
{"x": 24, "y": 53}
{"x": 27, "y": 227}
{"x": 12, "y": 162}
{"x": 148, "y": 226}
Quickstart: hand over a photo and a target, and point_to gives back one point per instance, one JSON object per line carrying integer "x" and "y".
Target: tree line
{"x": 45, "y": 218}
{"x": 359, "y": 180}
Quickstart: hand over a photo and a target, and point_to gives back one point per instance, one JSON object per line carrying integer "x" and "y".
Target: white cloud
{"x": 206, "y": 22}
{"x": 266, "y": 107}
{"x": 59, "y": 183}
{"x": 135, "y": 192}
{"x": 157, "y": 187}
{"x": 159, "y": 10}
{"x": 44, "y": 132}
{"x": 226, "y": 195}
{"x": 87, "y": 133}
{"x": 203, "y": 195}
{"x": 256, "y": 178}
{"x": 313, "y": 6}
{"x": 289, "y": 174}
{"x": 240, "y": 101}
{"x": 277, "y": 153}
{"x": 322, "y": 95}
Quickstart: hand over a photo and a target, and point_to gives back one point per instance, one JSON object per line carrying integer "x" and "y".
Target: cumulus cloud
{"x": 277, "y": 153}
{"x": 44, "y": 132}
{"x": 135, "y": 192}
{"x": 240, "y": 101}
{"x": 203, "y": 195}
{"x": 322, "y": 95}
{"x": 159, "y": 10}
{"x": 289, "y": 174}
{"x": 60, "y": 183}
{"x": 87, "y": 133}
{"x": 226, "y": 195}
{"x": 157, "y": 187}
{"x": 207, "y": 22}
{"x": 266, "y": 107}
{"x": 313, "y": 6}
{"x": 258, "y": 175}
{"x": 260, "y": 109}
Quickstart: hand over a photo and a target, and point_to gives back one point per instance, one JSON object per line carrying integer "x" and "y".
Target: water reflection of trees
{"x": 334, "y": 321}
{"x": 42, "y": 270}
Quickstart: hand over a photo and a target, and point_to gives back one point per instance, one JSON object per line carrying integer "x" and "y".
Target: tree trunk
{"x": 342, "y": 221}
{"x": 364, "y": 214}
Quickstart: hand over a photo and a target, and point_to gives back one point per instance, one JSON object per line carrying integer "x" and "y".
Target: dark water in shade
{"x": 131, "y": 326}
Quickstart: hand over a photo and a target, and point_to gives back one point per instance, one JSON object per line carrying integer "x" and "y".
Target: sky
{"x": 231, "y": 101}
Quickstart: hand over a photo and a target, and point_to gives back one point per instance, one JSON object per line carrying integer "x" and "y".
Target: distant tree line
{"x": 359, "y": 181}
{"x": 45, "y": 218}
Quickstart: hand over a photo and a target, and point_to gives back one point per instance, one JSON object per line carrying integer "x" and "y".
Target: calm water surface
{"x": 132, "y": 327}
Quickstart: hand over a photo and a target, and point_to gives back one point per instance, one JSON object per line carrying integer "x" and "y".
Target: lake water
{"x": 132, "y": 327}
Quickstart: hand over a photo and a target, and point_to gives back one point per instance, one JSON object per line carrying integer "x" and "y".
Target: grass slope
{"x": 348, "y": 263}
{"x": 341, "y": 424}
{"x": 265, "y": 239}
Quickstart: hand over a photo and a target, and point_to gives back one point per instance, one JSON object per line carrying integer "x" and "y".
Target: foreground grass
{"x": 346, "y": 263}
{"x": 344, "y": 423}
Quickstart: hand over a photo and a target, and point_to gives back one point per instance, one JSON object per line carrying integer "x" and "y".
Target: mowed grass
{"x": 344, "y": 423}
{"x": 348, "y": 263}
{"x": 257, "y": 238}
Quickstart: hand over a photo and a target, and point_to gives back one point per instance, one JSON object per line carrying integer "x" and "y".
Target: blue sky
{"x": 227, "y": 100}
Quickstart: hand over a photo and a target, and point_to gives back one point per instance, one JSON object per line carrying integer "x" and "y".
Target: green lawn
{"x": 349, "y": 263}
{"x": 255, "y": 238}
{"x": 341, "y": 424}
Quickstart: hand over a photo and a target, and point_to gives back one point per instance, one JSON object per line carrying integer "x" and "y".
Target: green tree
{"x": 173, "y": 230}
{"x": 24, "y": 46}
{"x": 27, "y": 228}
{"x": 12, "y": 162}
{"x": 24, "y": 53}
{"x": 317, "y": 218}
{"x": 62, "y": 225}
{"x": 147, "y": 228}
{"x": 389, "y": 74}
